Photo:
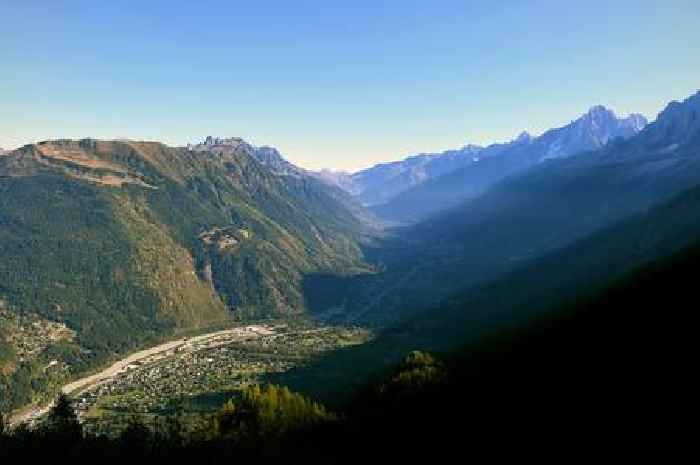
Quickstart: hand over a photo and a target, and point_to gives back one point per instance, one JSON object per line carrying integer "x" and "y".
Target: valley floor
{"x": 152, "y": 380}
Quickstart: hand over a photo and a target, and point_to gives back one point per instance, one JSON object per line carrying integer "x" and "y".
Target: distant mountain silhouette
{"x": 378, "y": 184}
{"x": 591, "y": 131}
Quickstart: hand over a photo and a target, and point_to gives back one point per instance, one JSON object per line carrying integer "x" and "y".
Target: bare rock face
{"x": 678, "y": 123}
{"x": 268, "y": 156}
{"x": 591, "y": 131}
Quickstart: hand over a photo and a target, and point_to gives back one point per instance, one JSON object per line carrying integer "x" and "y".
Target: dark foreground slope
{"x": 610, "y": 368}
{"x": 107, "y": 245}
{"x": 541, "y": 287}
{"x": 605, "y": 366}
{"x": 607, "y": 374}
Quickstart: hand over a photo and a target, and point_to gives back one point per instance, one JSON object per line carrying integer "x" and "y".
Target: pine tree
{"x": 62, "y": 419}
{"x": 136, "y": 436}
{"x": 269, "y": 412}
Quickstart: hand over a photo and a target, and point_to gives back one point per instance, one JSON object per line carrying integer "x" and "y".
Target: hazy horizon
{"x": 341, "y": 87}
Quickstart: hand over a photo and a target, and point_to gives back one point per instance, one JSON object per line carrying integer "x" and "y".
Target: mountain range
{"x": 106, "y": 246}
{"x": 378, "y": 184}
{"x": 526, "y": 216}
{"x": 593, "y": 130}
{"x": 273, "y": 160}
{"x": 550, "y": 246}
{"x": 268, "y": 156}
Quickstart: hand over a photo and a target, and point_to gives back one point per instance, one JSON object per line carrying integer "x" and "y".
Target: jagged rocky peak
{"x": 523, "y": 138}
{"x": 591, "y": 131}
{"x": 211, "y": 142}
{"x": 218, "y": 144}
{"x": 603, "y": 117}
{"x": 678, "y": 122}
{"x": 268, "y": 156}
{"x": 603, "y": 124}
{"x": 223, "y": 141}
{"x": 636, "y": 121}
{"x": 599, "y": 117}
{"x": 273, "y": 159}
{"x": 600, "y": 111}
{"x": 270, "y": 153}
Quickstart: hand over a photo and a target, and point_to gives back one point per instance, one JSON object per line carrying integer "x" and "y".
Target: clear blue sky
{"x": 333, "y": 85}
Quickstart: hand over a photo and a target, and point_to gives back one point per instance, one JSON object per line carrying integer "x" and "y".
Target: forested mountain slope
{"x": 113, "y": 244}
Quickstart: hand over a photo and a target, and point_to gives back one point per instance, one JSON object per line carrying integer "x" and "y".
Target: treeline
{"x": 262, "y": 422}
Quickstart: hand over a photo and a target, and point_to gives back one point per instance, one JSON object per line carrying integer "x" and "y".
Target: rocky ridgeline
{"x": 268, "y": 156}
{"x": 384, "y": 182}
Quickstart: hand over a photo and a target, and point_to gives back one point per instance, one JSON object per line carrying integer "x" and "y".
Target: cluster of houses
{"x": 191, "y": 370}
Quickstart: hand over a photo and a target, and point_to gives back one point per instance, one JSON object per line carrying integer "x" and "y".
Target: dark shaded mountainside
{"x": 106, "y": 245}
{"x": 524, "y": 218}
{"x": 536, "y": 294}
{"x": 604, "y": 370}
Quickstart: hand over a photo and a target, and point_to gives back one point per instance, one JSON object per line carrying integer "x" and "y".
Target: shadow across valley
{"x": 541, "y": 291}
